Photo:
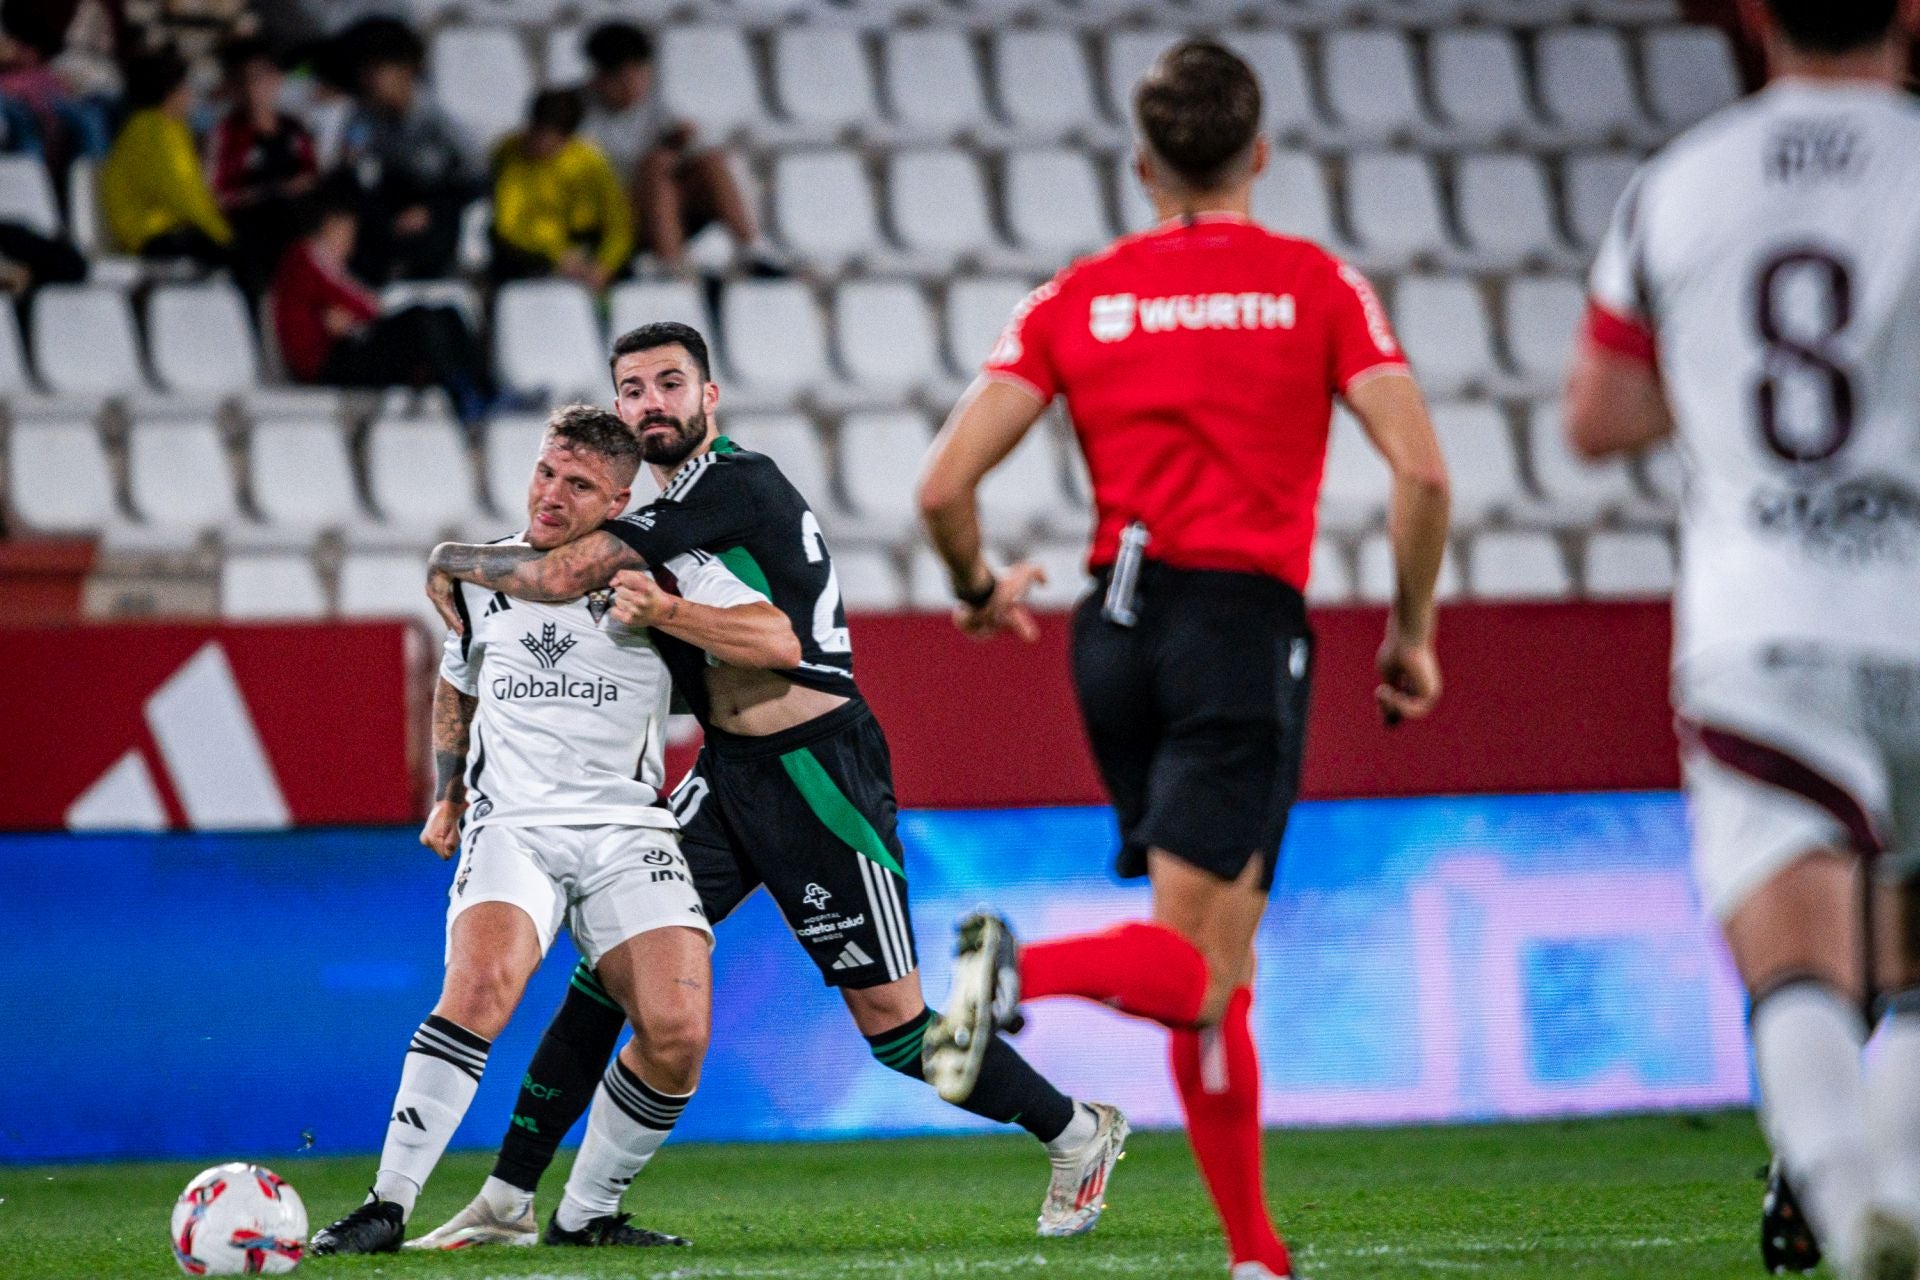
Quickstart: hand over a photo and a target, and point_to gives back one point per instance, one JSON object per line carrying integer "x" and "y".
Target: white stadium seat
{"x": 939, "y": 204}
{"x": 1542, "y": 317}
{"x": 59, "y": 479}
{"x": 823, "y": 208}
{"x": 933, "y": 84}
{"x": 791, "y": 441}
{"x": 1022, "y": 494}
{"x": 1067, "y": 577}
{"x": 1442, "y": 323}
{"x": 14, "y": 380}
{"x": 978, "y": 310}
{"x": 1664, "y": 476}
{"x": 83, "y": 206}
{"x": 887, "y": 338}
{"x": 1577, "y": 492}
{"x": 1690, "y": 73}
{"x": 482, "y": 79}
{"x": 301, "y": 480}
{"x": 707, "y": 75}
{"x": 880, "y": 455}
{"x": 201, "y": 341}
{"x": 929, "y": 590}
{"x": 1635, "y": 563}
{"x": 84, "y": 341}
{"x": 1518, "y": 564}
{"x": 633, "y": 303}
{"x": 512, "y": 444}
{"x": 1127, "y": 56}
{"x": 1586, "y": 83}
{"x": 1355, "y": 484}
{"x": 178, "y": 478}
{"x": 1374, "y": 579}
{"x": 26, "y": 194}
{"x": 545, "y": 336}
{"x": 1506, "y": 211}
{"x": 821, "y": 78}
{"x": 565, "y": 59}
{"x": 776, "y": 343}
{"x": 1286, "y": 93}
{"x": 1481, "y": 461}
{"x": 1329, "y": 578}
{"x": 1479, "y": 85}
{"x": 1594, "y": 185}
{"x": 1371, "y": 87}
{"x": 1291, "y": 197}
{"x": 869, "y": 580}
{"x": 1054, "y": 205}
{"x": 388, "y": 584}
{"x": 1045, "y": 89}
{"x": 271, "y": 585}
{"x": 420, "y": 478}
{"x": 1393, "y": 208}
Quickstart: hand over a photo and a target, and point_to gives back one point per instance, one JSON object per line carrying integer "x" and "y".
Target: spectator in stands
{"x": 677, "y": 187}
{"x": 46, "y": 91}
{"x": 29, "y": 259}
{"x": 415, "y": 167}
{"x": 153, "y": 194}
{"x": 332, "y": 330}
{"x": 558, "y": 207}
{"x": 263, "y": 163}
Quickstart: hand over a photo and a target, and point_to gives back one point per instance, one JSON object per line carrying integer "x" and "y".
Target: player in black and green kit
{"x": 792, "y": 790}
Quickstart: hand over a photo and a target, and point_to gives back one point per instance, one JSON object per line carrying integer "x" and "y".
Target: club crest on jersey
{"x": 550, "y": 647}
{"x": 1110, "y": 317}
{"x": 598, "y": 602}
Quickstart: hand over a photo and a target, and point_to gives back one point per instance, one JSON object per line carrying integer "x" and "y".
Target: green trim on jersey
{"x": 835, "y": 811}
{"x": 723, "y": 445}
{"x": 742, "y": 565}
{"x": 584, "y": 981}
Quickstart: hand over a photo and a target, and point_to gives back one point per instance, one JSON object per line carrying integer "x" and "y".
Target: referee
{"x": 1199, "y": 361}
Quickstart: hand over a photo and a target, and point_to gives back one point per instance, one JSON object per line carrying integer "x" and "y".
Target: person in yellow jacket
{"x": 154, "y": 195}
{"x": 558, "y": 206}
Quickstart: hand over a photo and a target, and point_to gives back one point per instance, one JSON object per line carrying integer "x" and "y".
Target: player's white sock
{"x": 506, "y": 1200}
{"x": 1077, "y": 1134}
{"x": 437, "y": 1083}
{"x": 1807, "y": 1038}
{"x": 1893, "y": 1104}
{"x": 627, "y": 1123}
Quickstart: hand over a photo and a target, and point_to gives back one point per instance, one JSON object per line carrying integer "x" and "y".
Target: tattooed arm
{"x": 548, "y": 577}
{"x": 452, "y": 723}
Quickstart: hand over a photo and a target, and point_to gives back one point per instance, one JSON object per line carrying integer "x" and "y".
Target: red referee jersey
{"x": 1199, "y": 361}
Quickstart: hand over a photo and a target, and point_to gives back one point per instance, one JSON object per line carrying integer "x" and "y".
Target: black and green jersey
{"x": 734, "y": 504}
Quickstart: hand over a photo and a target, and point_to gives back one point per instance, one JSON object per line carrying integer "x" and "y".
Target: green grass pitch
{"x": 1645, "y": 1197}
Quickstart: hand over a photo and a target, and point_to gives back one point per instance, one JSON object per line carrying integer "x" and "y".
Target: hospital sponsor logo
{"x": 827, "y": 926}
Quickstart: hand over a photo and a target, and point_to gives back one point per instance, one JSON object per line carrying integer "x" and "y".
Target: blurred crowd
{"x": 315, "y": 169}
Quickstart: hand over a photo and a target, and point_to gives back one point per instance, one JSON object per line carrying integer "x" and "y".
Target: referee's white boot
{"x": 984, "y": 998}
{"x": 1254, "y": 1271}
{"x": 479, "y": 1223}
{"x": 1076, "y": 1195}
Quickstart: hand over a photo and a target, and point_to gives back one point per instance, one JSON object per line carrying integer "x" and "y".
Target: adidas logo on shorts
{"x": 852, "y": 957}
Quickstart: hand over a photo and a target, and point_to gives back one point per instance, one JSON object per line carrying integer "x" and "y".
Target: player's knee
{"x": 673, "y": 1042}
{"x": 480, "y": 998}
{"x": 1226, "y": 973}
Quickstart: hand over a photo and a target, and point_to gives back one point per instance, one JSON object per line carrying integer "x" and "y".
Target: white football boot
{"x": 479, "y": 1224}
{"x": 1254, "y": 1271}
{"x": 1076, "y": 1194}
{"x": 983, "y": 999}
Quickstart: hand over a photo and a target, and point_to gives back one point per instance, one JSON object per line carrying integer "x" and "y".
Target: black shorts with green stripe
{"x": 809, "y": 813}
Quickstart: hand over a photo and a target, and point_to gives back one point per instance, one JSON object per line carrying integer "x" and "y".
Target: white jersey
{"x": 571, "y": 724}
{"x": 1769, "y": 260}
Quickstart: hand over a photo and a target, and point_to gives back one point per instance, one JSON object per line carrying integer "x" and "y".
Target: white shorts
{"x": 607, "y": 883}
{"x": 1792, "y": 748}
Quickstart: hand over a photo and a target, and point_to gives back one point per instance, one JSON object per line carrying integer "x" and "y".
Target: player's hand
{"x": 1006, "y": 609}
{"x": 1409, "y": 679}
{"x": 440, "y": 588}
{"x": 442, "y": 832}
{"x": 639, "y": 601}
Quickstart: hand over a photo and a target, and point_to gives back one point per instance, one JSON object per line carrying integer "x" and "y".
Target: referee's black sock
{"x": 1010, "y": 1090}
{"x": 560, "y": 1080}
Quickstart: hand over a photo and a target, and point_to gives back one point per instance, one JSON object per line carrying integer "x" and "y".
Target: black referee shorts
{"x": 808, "y": 812}
{"x": 1198, "y": 714}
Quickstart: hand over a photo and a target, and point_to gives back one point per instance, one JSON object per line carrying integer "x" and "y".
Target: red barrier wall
{"x": 263, "y": 725}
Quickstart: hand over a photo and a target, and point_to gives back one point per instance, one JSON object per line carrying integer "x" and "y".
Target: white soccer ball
{"x": 239, "y": 1220}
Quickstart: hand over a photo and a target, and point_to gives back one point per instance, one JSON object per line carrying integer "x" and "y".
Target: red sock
{"x": 1143, "y": 969}
{"x": 1218, "y": 1074}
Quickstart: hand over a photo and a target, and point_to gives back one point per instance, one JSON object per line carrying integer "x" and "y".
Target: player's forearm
{"x": 452, "y": 732}
{"x": 543, "y": 577}
{"x": 953, "y": 526}
{"x": 1417, "y": 528}
{"x": 749, "y": 635}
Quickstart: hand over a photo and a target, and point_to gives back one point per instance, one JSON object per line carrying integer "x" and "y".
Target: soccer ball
{"x": 239, "y": 1220}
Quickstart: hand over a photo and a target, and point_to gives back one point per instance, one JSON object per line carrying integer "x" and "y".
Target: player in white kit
{"x": 549, "y": 729}
{"x": 1758, "y": 296}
